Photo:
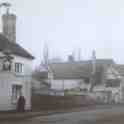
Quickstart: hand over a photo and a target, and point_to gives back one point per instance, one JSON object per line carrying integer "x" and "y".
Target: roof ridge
{"x": 84, "y": 61}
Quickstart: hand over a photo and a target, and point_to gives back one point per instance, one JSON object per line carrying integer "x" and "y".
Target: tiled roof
{"x": 77, "y": 70}
{"x": 13, "y": 47}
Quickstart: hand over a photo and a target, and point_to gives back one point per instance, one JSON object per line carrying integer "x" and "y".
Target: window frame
{"x": 18, "y": 67}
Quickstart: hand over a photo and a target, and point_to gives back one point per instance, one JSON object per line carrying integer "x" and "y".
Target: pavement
{"x": 99, "y": 114}
{"x": 14, "y": 116}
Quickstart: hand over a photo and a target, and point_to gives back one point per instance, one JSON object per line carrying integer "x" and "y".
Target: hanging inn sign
{"x": 6, "y": 60}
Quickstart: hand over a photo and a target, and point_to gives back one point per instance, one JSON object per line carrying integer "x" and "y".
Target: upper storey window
{"x": 18, "y": 67}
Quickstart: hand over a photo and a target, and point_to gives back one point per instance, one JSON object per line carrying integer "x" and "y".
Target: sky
{"x": 69, "y": 25}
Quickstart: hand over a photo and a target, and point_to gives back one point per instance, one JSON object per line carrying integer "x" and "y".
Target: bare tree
{"x": 79, "y": 54}
{"x": 45, "y": 54}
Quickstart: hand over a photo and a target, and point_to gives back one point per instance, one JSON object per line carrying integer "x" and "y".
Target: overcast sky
{"x": 67, "y": 25}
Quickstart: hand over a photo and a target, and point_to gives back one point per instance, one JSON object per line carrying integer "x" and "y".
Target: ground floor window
{"x": 113, "y": 83}
{"x": 16, "y": 92}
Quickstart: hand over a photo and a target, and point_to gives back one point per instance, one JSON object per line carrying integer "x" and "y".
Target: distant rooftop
{"x": 77, "y": 70}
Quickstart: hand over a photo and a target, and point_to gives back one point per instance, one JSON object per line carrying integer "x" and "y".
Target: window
{"x": 16, "y": 92}
{"x": 18, "y": 67}
{"x": 113, "y": 83}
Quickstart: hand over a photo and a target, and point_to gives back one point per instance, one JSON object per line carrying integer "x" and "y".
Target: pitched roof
{"x": 13, "y": 47}
{"x": 77, "y": 70}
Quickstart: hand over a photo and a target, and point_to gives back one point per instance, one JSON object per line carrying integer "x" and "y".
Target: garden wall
{"x": 45, "y": 102}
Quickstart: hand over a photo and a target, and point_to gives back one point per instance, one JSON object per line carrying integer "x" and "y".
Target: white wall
{"x": 5, "y": 99}
{"x": 66, "y": 84}
{"x": 7, "y": 79}
{"x": 113, "y": 90}
{"x": 27, "y": 72}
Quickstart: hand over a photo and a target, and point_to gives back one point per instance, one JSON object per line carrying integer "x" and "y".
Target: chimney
{"x": 9, "y": 26}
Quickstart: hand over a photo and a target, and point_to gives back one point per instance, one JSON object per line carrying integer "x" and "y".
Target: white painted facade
{"x": 61, "y": 84}
{"x": 116, "y": 92}
{"x": 8, "y": 79}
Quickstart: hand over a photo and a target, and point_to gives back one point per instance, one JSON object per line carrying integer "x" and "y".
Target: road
{"x": 112, "y": 114}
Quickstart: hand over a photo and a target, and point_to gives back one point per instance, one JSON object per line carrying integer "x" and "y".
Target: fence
{"x": 45, "y": 102}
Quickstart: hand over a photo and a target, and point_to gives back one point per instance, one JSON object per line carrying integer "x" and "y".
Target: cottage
{"x": 15, "y": 67}
{"x": 101, "y": 77}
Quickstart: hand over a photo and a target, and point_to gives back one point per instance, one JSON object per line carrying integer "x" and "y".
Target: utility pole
{"x": 93, "y": 60}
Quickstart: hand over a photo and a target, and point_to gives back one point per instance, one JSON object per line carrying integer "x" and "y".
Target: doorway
{"x": 16, "y": 92}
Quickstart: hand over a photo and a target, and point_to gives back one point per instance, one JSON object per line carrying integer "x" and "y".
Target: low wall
{"x": 44, "y": 102}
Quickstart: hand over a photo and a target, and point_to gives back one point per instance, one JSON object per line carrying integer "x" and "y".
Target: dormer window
{"x": 18, "y": 67}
